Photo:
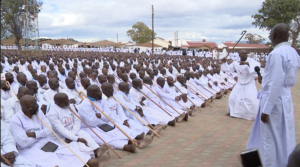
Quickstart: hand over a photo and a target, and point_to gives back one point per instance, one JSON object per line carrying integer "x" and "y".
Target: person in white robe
{"x": 165, "y": 94}
{"x": 125, "y": 98}
{"x": 31, "y": 135}
{"x": 55, "y": 88}
{"x": 8, "y": 147}
{"x": 181, "y": 87}
{"x": 12, "y": 105}
{"x": 95, "y": 119}
{"x": 139, "y": 98}
{"x": 67, "y": 126}
{"x": 242, "y": 102}
{"x": 273, "y": 132}
{"x": 118, "y": 114}
{"x": 202, "y": 85}
{"x": 33, "y": 91}
{"x": 72, "y": 90}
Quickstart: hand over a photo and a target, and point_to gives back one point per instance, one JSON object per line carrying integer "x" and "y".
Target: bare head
{"x": 279, "y": 33}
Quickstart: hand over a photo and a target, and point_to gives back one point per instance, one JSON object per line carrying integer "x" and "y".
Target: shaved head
{"x": 279, "y": 33}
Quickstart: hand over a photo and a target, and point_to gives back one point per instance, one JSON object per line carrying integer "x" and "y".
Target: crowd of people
{"x": 124, "y": 98}
{"x": 71, "y": 108}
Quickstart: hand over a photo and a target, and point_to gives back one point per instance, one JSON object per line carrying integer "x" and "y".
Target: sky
{"x": 94, "y": 20}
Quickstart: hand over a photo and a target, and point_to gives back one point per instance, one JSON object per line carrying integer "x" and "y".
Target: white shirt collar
{"x": 282, "y": 44}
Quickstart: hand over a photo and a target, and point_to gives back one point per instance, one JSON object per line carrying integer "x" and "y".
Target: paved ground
{"x": 209, "y": 139}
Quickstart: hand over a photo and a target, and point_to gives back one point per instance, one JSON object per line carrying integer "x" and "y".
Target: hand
{"x": 216, "y": 83}
{"x": 209, "y": 85}
{"x": 141, "y": 103}
{"x": 10, "y": 157}
{"x": 126, "y": 123}
{"x": 236, "y": 79}
{"x": 68, "y": 140}
{"x": 259, "y": 79}
{"x": 264, "y": 117}
{"x": 72, "y": 101}
{"x": 140, "y": 111}
{"x": 197, "y": 93}
{"x": 30, "y": 134}
{"x": 143, "y": 98}
{"x": 98, "y": 115}
{"x": 44, "y": 108}
{"x": 226, "y": 79}
{"x": 184, "y": 85}
{"x": 177, "y": 98}
{"x": 82, "y": 140}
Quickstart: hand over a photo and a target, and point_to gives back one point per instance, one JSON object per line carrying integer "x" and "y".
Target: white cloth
{"x": 30, "y": 148}
{"x": 127, "y": 101}
{"x": 8, "y": 144}
{"x": 11, "y": 107}
{"x": 242, "y": 102}
{"x": 87, "y": 112}
{"x": 276, "y": 139}
{"x": 159, "y": 115}
{"x": 67, "y": 125}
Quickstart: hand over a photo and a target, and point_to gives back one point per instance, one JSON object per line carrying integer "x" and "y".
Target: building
{"x": 201, "y": 46}
{"x": 148, "y": 45}
{"x": 249, "y": 47}
{"x": 161, "y": 42}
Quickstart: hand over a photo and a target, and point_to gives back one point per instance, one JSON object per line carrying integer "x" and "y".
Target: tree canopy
{"x": 254, "y": 38}
{"x": 273, "y": 12}
{"x": 140, "y": 33}
{"x": 13, "y": 17}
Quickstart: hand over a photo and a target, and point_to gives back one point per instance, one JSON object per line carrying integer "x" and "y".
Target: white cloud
{"x": 92, "y": 20}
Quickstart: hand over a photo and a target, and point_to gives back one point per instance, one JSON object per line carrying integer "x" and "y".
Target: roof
{"x": 106, "y": 43}
{"x": 11, "y": 41}
{"x": 59, "y": 41}
{"x": 200, "y": 43}
{"x": 147, "y": 44}
{"x": 243, "y": 45}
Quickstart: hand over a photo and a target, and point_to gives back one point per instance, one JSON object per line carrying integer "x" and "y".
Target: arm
{"x": 20, "y": 134}
{"x": 8, "y": 143}
{"x": 9, "y": 111}
{"x": 88, "y": 114}
{"x": 163, "y": 95}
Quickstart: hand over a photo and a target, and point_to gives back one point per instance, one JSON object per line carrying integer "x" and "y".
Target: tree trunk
{"x": 295, "y": 36}
{"x": 17, "y": 42}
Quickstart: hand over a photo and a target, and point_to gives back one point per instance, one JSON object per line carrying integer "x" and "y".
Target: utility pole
{"x": 152, "y": 30}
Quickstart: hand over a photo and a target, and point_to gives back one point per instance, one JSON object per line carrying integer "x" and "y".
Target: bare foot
{"x": 186, "y": 116}
{"x": 203, "y": 105}
{"x": 140, "y": 137}
{"x": 158, "y": 129}
{"x": 228, "y": 114}
{"x": 145, "y": 142}
{"x": 192, "y": 112}
{"x": 102, "y": 149}
{"x": 180, "y": 117}
{"x": 172, "y": 123}
{"x": 130, "y": 148}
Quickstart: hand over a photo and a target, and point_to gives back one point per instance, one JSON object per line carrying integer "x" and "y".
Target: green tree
{"x": 140, "y": 33}
{"x": 13, "y": 17}
{"x": 254, "y": 38}
{"x": 279, "y": 11}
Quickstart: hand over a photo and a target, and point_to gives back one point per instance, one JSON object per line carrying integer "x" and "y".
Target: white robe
{"x": 161, "y": 116}
{"x": 87, "y": 112}
{"x": 11, "y": 107}
{"x": 118, "y": 116}
{"x": 49, "y": 94}
{"x": 242, "y": 102}
{"x": 67, "y": 125}
{"x": 30, "y": 148}
{"x": 8, "y": 144}
{"x": 276, "y": 139}
{"x": 127, "y": 101}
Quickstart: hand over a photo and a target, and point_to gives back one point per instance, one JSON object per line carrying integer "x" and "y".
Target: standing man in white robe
{"x": 273, "y": 131}
{"x": 242, "y": 102}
